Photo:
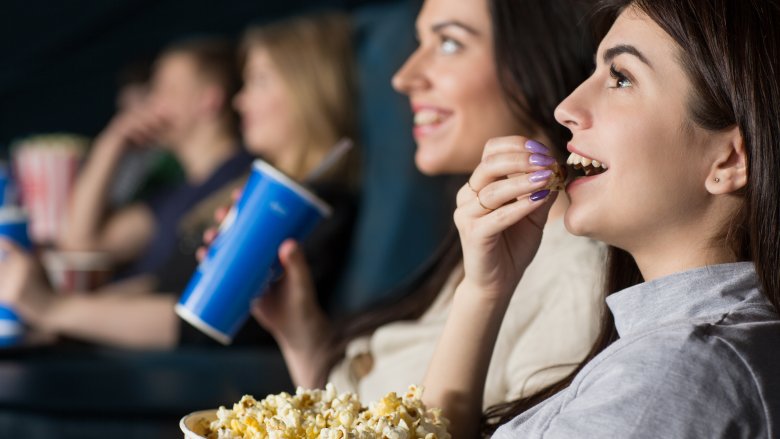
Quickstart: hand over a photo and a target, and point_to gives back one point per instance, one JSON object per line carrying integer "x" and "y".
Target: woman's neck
{"x": 297, "y": 162}
{"x": 684, "y": 256}
{"x": 675, "y": 246}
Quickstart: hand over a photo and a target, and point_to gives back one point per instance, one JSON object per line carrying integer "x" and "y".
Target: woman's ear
{"x": 729, "y": 169}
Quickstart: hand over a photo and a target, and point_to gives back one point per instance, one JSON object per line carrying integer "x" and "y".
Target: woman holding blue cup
{"x": 281, "y": 107}
{"x": 484, "y": 68}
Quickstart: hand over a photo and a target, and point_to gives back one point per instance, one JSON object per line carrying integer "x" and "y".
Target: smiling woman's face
{"x": 632, "y": 115}
{"x": 268, "y": 113}
{"x": 453, "y": 87}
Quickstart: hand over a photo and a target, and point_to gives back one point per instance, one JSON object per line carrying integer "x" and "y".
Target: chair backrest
{"x": 404, "y": 215}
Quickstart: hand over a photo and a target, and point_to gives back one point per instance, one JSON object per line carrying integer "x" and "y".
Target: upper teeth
{"x": 426, "y": 117}
{"x": 576, "y": 159}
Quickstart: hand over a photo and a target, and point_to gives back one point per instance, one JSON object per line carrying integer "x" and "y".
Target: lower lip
{"x": 579, "y": 181}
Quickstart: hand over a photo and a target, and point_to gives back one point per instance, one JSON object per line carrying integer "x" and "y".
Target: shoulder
{"x": 681, "y": 379}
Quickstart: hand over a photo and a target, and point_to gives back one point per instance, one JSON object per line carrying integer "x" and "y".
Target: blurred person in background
{"x": 188, "y": 111}
{"x": 297, "y": 102}
{"x": 476, "y": 75}
{"x": 143, "y": 168}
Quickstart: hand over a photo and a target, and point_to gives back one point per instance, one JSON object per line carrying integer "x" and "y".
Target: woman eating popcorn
{"x": 682, "y": 111}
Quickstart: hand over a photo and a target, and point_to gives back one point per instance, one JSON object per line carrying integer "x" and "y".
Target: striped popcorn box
{"x": 47, "y": 167}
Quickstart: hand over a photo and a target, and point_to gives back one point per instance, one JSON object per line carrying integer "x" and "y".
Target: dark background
{"x": 59, "y": 59}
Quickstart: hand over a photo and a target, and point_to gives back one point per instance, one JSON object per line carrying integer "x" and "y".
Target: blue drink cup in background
{"x": 13, "y": 225}
{"x": 6, "y": 186}
{"x": 244, "y": 257}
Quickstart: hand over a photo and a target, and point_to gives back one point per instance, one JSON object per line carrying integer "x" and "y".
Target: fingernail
{"x": 538, "y": 176}
{"x": 540, "y": 195}
{"x": 536, "y": 147}
{"x": 541, "y": 160}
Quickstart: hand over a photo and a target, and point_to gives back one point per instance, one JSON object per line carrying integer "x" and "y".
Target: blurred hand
{"x": 22, "y": 282}
{"x": 289, "y": 308}
{"x": 500, "y": 216}
{"x": 136, "y": 127}
{"x": 210, "y": 234}
{"x": 290, "y": 312}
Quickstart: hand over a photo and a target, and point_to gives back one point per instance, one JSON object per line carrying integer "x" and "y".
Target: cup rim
{"x": 200, "y": 413}
{"x": 265, "y": 167}
{"x": 190, "y": 317}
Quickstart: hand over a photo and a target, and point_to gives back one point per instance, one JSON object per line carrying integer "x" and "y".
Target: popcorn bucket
{"x": 47, "y": 168}
{"x": 71, "y": 272}
{"x": 243, "y": 260}
{"x": 195, "y": 425}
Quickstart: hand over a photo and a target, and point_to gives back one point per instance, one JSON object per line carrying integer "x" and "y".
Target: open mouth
{"x": 584, "y": 167}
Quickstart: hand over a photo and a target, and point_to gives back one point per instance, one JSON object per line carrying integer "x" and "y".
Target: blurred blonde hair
{"x": 314, "y": 56}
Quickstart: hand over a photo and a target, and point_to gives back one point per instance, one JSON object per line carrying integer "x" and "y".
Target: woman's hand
{"x": 22, "y": 284}
{"x": 290, "y": 312}
{"x": 210, "y": 234}
{"x": 501, "y": 213}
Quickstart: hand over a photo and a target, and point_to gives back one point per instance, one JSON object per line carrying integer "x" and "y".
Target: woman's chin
{"x": 575, "y": 224}
{"x": 427, "y": 165}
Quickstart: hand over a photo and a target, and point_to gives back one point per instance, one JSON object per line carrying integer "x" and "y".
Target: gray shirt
{"x": 698, "y": 357}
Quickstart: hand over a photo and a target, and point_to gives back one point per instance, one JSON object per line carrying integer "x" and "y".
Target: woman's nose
{"x": 572, "y": 112}
{"x": 411, "y": 76}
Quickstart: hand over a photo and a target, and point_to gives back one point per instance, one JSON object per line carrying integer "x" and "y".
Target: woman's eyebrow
{"x": 620, "y": 49}
{"x": 444, "y": 24}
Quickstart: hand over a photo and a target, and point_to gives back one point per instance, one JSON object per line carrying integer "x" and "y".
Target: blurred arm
{"x": 455, "y": 381}
{"x": 125, "y": 233}
{"x": 135, "y": 320}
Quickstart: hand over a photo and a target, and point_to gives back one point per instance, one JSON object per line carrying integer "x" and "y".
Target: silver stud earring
{"x": 717, "y": 180}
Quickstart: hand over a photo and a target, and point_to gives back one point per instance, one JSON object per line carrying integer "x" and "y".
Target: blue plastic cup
{"x": 7, "y": 188}
{"x": 13, "y": 225}
{"x": 243, "y": 258}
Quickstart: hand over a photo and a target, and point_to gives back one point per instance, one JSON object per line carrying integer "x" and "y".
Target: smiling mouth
{"x": 584, "y": 167}
{"x": 427, "y": 117}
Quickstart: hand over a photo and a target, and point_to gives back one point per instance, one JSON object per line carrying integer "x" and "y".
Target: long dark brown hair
{"x": 730, "y": 51}
{"x": 538, "y": 63}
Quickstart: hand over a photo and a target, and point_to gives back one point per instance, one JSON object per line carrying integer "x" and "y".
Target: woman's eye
{"x": 621, "y": 80}
{"x": 449, "y": 46}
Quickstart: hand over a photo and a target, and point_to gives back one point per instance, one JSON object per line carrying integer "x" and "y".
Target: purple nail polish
{"x": 536, "y": 147}
{"x": 541, "y": 160}
{"x": 538, "y": 176}
{"x": 540, "y": 195}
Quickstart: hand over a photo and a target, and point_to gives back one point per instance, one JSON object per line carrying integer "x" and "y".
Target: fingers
{"x": 142, "y": 126}
{"x": 209, "y": 235}
{"x": 295, "y": 266}
{"x": 200, "y": 254}
{"x": 501, "y": 192}
{"x": 509, "y": 156}
{"x": 221, "y": 213}
{"x": 496, "y": 221}
{"x": 235, "y": 194}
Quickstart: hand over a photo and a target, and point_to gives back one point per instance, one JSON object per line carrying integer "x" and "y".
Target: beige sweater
{"x": 549, "y": 327}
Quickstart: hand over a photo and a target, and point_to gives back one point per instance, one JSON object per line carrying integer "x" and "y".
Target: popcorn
{"x": 324, "y": 414}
